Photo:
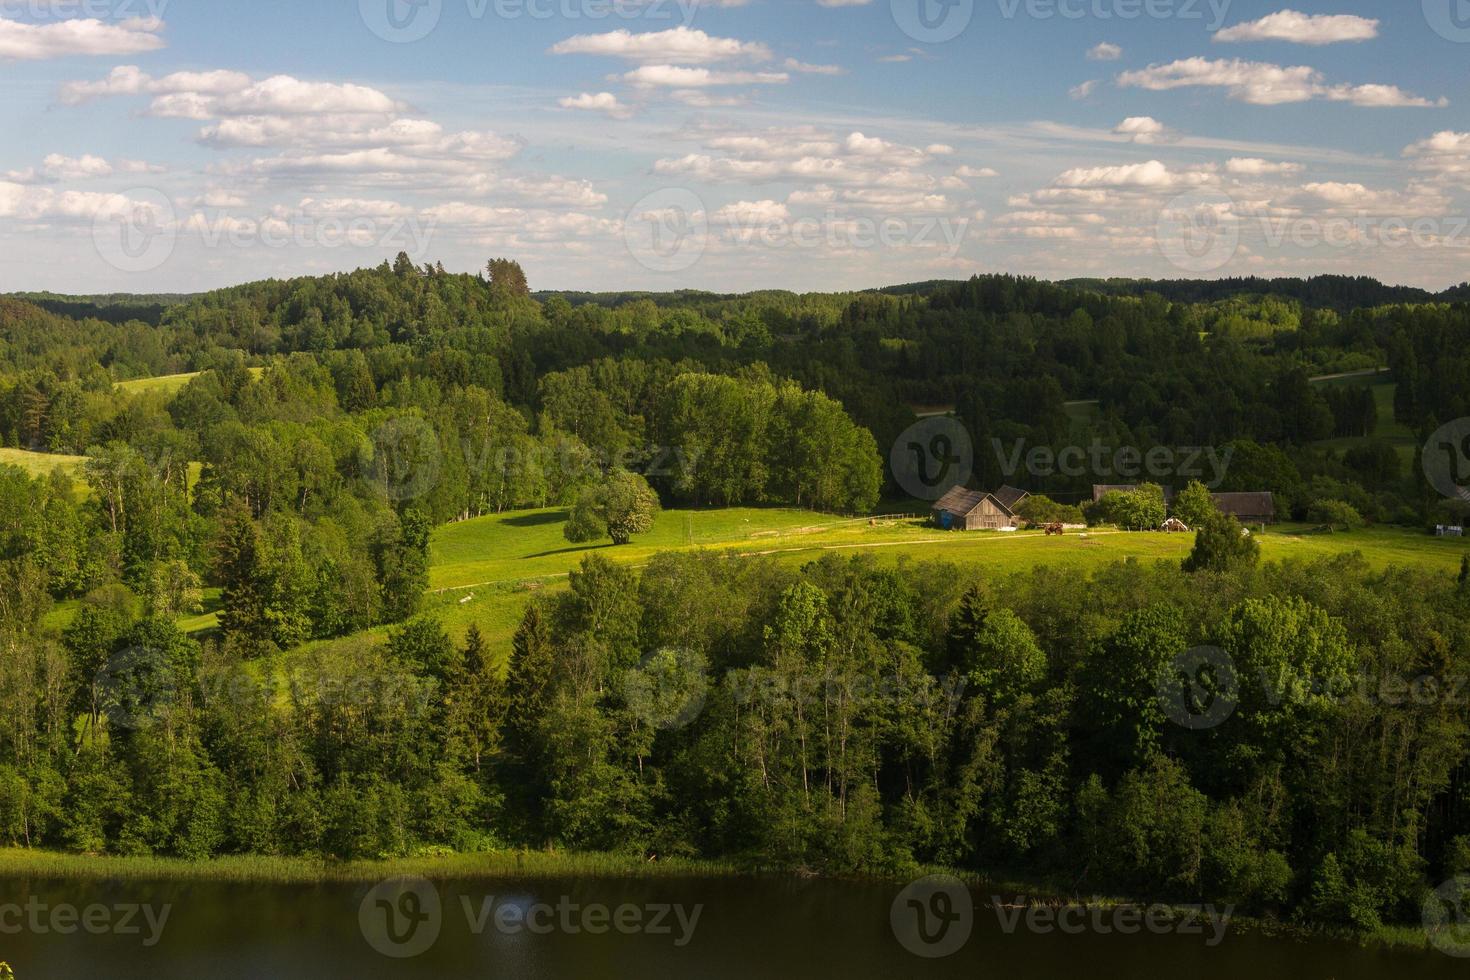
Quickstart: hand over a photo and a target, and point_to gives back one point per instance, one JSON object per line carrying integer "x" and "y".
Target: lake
{"x": 647, "y": 928}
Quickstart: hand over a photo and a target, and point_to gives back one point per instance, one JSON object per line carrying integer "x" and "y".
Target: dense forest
{"x": 843, "y": 717}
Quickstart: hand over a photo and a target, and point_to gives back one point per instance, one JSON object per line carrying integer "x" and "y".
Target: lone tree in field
{"x": 1194, "y": 505}
{"x": 622, "y": 506}
{"x": 1221, "y": 545}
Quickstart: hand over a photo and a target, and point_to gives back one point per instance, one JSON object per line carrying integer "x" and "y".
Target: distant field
{"x": 167, "y": 384}
{"x": 1400, "y": 436}
{"x": 487, "y": 570}
{"x": 41, "y": 464}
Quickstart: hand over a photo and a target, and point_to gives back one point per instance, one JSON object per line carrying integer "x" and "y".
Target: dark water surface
{"x": 746, "y": 928}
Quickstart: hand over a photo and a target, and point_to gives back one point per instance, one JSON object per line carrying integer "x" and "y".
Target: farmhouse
{"x": 1248, "y": 508}
{"x": 976, "y": 510}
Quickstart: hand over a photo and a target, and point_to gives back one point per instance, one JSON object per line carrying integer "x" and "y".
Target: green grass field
{"x": 166, "y": 384}
{"x": 41, "y": 464}
{"x": 1389, "y": 429}
{"x": 486, "y": 571}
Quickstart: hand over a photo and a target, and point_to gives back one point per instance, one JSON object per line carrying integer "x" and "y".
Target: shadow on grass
{"x": 537, "y": 520}
{"x": 573, "y": 550}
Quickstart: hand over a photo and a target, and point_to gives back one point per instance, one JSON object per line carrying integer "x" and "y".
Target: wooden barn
{"x": 974, "y": 510}
{"x": 1248, "y": 508}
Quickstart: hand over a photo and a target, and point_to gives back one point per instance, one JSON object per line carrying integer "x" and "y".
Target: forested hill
{"x": 1166, "y": 364}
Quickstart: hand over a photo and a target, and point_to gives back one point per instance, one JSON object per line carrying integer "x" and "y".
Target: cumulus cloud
{"x": 967, "y": 172}
{"x": 1299, "y": 28}
{"x": 1141, "y": 129}
{"x": 64, "y": 38}
{"x": 596, "y": 102}
{"x": 1084, "y": 90}
{"x": 1262, "y": 83}
{"x": 1105, "y": 52}
{"x": 1256, "y": 167}
{"x": 675, "y": 76}
{"x": 678, "y": 46}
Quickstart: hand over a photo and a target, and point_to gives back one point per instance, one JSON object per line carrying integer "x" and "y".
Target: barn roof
{"x": 1246, "y": 504}
{"x": 1009, "y": 497}
{"x": 959, "y": 501}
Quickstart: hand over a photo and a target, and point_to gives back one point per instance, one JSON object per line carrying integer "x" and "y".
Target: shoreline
{"x": 449, "y": 866}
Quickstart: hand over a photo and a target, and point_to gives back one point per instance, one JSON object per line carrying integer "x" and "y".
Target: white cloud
{"x": 1141, "y": 129}
{"x": 1255, "y": 167}
{"x": 678, "y": 45}
{"x": 1299, "y": 28}
{"x": 674, "y": 76}
{"x": 969, "y": 172}
{"x": 64, "y": 38}
{"x": 1261, "y": 83}
{"x": 1105, "y": 52}
{"x": 1150, "y": 174}
{"x": 802, "y": 67}
{"x": 1084, "y": 90}
{"x": 598, "y": 102}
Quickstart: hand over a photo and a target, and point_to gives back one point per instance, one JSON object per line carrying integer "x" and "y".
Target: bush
{"x": 1336, "y": 514}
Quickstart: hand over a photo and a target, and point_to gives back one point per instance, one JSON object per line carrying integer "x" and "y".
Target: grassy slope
{"x": 498, "y": 563}
{"x": 41, "y": 464}
{"x": 1389, "y": 429}
{"x": 166, "y": 384}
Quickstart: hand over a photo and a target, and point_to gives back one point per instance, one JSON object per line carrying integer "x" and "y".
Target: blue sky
{"x": 186, "y": 144}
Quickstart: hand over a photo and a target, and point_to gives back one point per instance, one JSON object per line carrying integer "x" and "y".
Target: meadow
{"x": 487, "y": 570}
